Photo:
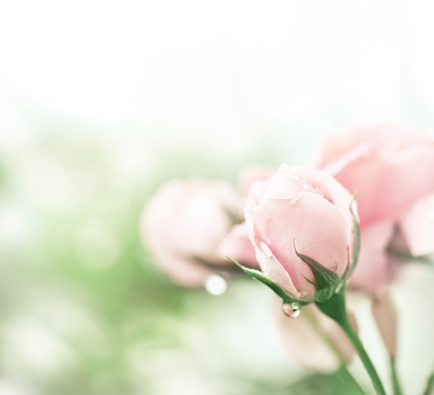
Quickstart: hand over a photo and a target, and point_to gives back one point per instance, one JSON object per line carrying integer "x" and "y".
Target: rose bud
{"x": 184, "y": 224}
{"x": 392, "y": 171}
{"x": 303, "y": 231}
{"x": 378, "y": 162}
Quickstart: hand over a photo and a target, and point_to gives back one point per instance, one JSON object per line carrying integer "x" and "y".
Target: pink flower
{"x": 390, "y": 168}
{"x": 393, "y": 173}
{"x": 185, "y": 223}
{"x": 307, "y": 208}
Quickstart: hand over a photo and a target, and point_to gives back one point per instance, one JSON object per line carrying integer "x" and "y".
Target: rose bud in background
{"x": 184, "y": 224}
{"x": 304, "y": 209}
{"x": 392, "y": 171}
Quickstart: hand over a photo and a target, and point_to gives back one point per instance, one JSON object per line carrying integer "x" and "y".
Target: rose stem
{"x": 324, "y": 336}
{"x": 429, "y": 385}
{"x": 395, "y": 382}
{"x": 335, "y": 309}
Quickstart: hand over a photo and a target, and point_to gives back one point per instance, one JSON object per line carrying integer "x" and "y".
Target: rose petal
{"x": 372, "y": 271}
{"x": 237, "y": 245}
{"x": 319, "y": 231}
{"x": 379, "y": 166}
{"x": 417, "y": 226}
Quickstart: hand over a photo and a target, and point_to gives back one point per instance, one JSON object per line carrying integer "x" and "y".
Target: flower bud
{"x": 184, "y": 224}
{"x": 300, "y": 211}
{"x": 392, "y": 172}
{"x": 378, "y": 162}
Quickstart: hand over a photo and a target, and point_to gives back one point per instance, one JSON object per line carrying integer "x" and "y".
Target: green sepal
{"x": 309, "y": 281}
{"x": 356, "y": 242}
{"x": 258, "y": 275}
{"x": 326, "y": 282}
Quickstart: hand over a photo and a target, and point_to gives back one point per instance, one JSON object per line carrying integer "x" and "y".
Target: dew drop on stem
{"x": 291, "y": 310}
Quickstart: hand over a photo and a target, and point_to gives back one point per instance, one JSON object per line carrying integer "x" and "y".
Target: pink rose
{"x": 184, "y": 224}
{"x": 307, "y": 208}
{"x": 390, "y": 168}
{"x": 393, "y": 173}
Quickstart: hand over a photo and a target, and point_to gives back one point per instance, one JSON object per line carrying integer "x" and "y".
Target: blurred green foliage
{"x": 84, "y": 309}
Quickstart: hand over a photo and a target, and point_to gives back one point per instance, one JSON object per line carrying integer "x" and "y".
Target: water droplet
{"x": 291, "y": 310}
{"x": 215, "y": 285}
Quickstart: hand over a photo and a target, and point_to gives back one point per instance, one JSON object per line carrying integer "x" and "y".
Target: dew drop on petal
{"x": 215, "y": 285}
{"x": 291, "y": 310}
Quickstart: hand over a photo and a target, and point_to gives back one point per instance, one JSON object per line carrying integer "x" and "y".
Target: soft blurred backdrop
{"x": 102, "y": 101}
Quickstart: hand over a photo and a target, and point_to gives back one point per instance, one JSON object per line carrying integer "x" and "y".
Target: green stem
{"x": 429, "y": 385}
{"x": 324, "y": 336}
{"x": 352, "y": 379}
{"x": 335, "y": 309}
{"x": 395, "y": 382}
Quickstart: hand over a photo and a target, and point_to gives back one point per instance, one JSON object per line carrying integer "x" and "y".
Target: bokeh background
{"x": 101, "y": 102}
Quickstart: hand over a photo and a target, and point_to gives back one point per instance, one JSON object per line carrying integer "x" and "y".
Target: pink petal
{"x": 238, "y": 246}
{"x": 372, "y": 270}
{"x": 390, "y": 169}
{"x": 316, "y": 225}
{"x": 417, "y": 226}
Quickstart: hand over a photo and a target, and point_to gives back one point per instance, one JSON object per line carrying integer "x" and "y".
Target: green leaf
{"x": 258, "y": 275}
{"x": 326, "y": 281}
